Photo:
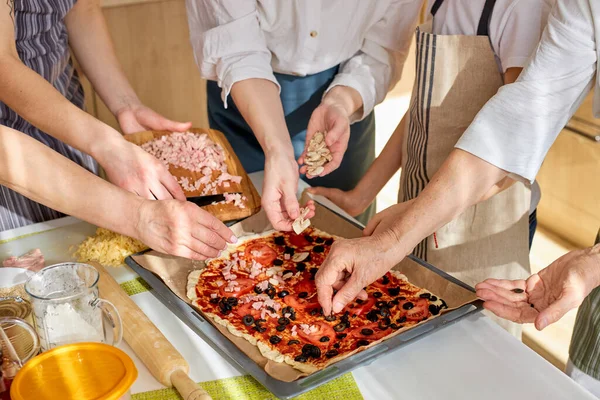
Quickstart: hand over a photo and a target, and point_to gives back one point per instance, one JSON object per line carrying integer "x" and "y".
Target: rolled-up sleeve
{"x": 228, "y": 43}
{"x": 377, "y": 67}
{"x": 517, "y": 127}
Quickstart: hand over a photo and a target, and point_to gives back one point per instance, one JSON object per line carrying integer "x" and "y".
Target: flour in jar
{"x": 64, "y": 325}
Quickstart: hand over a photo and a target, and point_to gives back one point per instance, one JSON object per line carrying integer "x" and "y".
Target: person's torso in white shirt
{"x": 307, "y": 37}
{"x": 515, "y": 27}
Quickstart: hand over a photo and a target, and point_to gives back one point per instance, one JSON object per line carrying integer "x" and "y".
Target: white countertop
{"x": 472, "y": 359}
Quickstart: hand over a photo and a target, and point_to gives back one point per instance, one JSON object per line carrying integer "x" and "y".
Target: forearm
{"x": 463, "y": 180}
{"x": 593, "y": 276}
{"x": 33, "y": 98}
{"x": 347, "y": 98}
{"x": 39, "y": 173}
{"x": 385, "y": 165}
{"x": 259, "y": 103}
{"x": 91, "y": 43}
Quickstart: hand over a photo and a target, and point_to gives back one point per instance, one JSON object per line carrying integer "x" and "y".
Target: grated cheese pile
{"x": 108, "y": 248}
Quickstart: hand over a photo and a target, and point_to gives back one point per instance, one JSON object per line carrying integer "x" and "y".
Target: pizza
{"x": 263, "y": 289}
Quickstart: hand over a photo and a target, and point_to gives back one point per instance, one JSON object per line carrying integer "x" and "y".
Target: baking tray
{"x": 287, "y": 390}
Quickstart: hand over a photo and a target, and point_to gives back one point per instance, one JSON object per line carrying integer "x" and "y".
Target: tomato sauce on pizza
{"x": 264, "y": 289}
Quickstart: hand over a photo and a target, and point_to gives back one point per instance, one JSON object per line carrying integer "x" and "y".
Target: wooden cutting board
{"x": 225, "y": 212}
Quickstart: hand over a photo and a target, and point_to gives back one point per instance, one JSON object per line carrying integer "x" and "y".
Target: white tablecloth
{"x": 472, "y": 359}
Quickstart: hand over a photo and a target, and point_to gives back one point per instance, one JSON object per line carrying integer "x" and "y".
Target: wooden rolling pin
{"x": 149, "y": 344}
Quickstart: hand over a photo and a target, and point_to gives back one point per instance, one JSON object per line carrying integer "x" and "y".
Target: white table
{"x": 473, "y": 359}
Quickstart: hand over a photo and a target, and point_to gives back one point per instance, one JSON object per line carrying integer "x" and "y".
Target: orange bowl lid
{"x": 79, "y": 371}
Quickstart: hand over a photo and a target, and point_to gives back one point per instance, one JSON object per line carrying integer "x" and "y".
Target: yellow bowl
{"x": 80, "y": 371}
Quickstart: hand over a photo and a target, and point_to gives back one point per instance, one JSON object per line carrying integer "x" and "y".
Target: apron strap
{"x": 486, "y": 16}
{"x": 436, "y": 7}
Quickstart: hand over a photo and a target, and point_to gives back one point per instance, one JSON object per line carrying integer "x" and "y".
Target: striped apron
{"x": 42, "y": 45}
{"x": 456, "y": 76}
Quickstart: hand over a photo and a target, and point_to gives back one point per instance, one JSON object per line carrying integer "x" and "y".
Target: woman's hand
{"x": 333, "y": 117}
{"x": 350, "y": 266}
{"x": 352, "y": 201}
{"x": 181, "y": 229}
{"x": 138, "y": 118}
{"x": 330, "y": 118}
{"x": 547, "y": 296}
{"x": 279, "y": 191}
{"x": 128, "y": 166}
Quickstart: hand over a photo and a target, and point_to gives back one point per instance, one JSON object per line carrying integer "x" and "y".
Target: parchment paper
{"x": 174, "y": 272}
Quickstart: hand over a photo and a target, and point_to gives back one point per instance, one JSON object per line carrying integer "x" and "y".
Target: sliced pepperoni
{"x": 301, "y": 303}
{"x": 298, "y": 241}
{"x": 382, "y": 282}
{"x": 246, "y": 309}
{"x": 261, "y": 252}
{"x": 370, "y": 332}
{"x": 306, "y": 285}
{"x": 418, "y": 311}
{"x": 317, "y": 338}
{"x": 359, "y": 307}
{"x": 245, "y": 285}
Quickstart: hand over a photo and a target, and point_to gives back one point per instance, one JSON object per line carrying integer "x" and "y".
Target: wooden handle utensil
{"x": 163, "y": 361}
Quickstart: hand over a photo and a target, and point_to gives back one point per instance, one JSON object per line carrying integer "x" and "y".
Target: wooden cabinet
{"x": 570, "y": 181}
{"x": 152, "y": 43}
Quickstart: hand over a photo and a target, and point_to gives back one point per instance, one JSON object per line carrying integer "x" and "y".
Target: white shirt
{"x": 235, "y": 40}
{"x": 516, "y": 128}
{"x": 514, "y": 29}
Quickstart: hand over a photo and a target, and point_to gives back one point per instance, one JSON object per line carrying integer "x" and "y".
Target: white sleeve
{"x": 517, "y": 32}
{"x": 516, "y": 128}
{"x": 228, "y": 44}
{"x": 377, "y": 67}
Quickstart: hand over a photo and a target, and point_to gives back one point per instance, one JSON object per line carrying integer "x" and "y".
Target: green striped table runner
{"x": 246, "y": 387}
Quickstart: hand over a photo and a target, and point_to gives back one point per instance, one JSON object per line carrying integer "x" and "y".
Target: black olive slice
{"x": 300, "y": 266}
{"x": 330, "y": 318}
{"x": 433, "y": 298}
{"x": 279, "y": 240}
{"x": 366, "y": 331}
{"x": 394, "y": 291}
{"x": 274, "y": 339}
{"x": 257, "y": 290}
{"x": 280, "y": 328}
{"x": 303, "y": 295}
{"x": 359, "y": 301}
{"x": 341, "y": 336}
{"x": 337, "y": 345}
{"x": 283, "y": 321}
{"x": 433, "y": 309}
{"x": 331, "y": 353}
{"x": 385, "y": 280}
{"x": 318, "y": 249}
{"x": 340, "y": 327}
{"x": 214, "y": 301}
{"x": 289, "y": 250}
{"x": 380, "y": 304}
{"x": 384, "y": 311}
{"x": 232, "y": 301}
{"x": 282, "y": 294}
{"x": 395, "y": 327}
{"x": 301, "y": 358}
{"x": 293, "y": 341}
{"x": 373, "y": 315}
{"x": 260, "y": 329}
{"x": 319, "y": 240}
{"x": 324, "y": 339}
{"x": 425, "y": 295}
{"x": 329, "y": 242}
{"x": 309, "y": 238}
{"x": 248, "y": 320}
{"x": 408, "y": 305}
{"x": 278, "y": 262}
{"x": 377, "y": 295}
{"x": 362, "y": 342}
{"x": 401, "y": 320}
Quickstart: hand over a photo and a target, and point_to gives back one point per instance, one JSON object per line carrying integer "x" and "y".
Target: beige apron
{"x": 456, "y": 76}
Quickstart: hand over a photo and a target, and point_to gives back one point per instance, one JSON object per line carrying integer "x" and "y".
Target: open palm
{"x": 546, "y": 297}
